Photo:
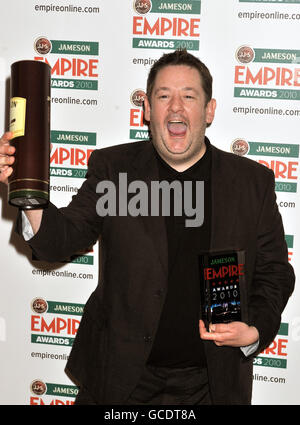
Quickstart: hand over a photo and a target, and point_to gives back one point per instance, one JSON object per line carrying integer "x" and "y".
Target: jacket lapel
{"x": 225, "y": 201}
{"x": 146, "y": 169}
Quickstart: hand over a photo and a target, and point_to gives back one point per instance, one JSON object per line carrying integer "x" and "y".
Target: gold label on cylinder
{"x": 17, "y": 116}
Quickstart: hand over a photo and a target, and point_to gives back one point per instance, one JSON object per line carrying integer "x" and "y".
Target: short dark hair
{"x": 181, "y": 57}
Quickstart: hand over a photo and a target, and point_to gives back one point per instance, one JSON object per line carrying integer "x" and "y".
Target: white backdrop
{"x": 100, "y": 53}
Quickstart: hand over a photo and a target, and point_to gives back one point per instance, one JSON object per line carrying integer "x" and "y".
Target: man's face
{"x": 178, "y": 115}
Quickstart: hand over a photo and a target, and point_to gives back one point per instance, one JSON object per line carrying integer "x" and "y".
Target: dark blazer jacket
{"x": 122, "y": 315}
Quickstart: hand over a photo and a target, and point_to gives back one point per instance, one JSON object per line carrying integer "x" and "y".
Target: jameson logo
{"x": 73, "y": 137}
{"x": 57, "y": 330}
{"x": 277, "y": 56}
{"x": 62, "y": 390}
{"x": 39, "y": 305}
{"x": 43, "y": 46}
{"x": 276, "y": 354}
{"x": 240, "y": 147}
{"x": 40, "y": 389}
{"x": 166, "y": 198}
{"x": 243, "y": 147}
{"x": 142, "y": 6}
{"x": 285, "y": 171}
{"x": 222, "y": 282}
{"x": 79, "y": 65}
{"x": 274, "y": 149}
{"x": 170, "y": 32}
{"x": 170, "y": 6}
{"x": 270, "y": 81}
{"x": 246, "y": 54}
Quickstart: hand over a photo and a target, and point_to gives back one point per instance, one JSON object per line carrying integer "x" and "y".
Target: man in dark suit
{"x": 140, "y": 340}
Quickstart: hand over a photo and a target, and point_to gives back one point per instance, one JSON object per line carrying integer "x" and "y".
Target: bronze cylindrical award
{"x": 30, "y": 124}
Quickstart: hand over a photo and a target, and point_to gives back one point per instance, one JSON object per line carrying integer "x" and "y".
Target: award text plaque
{"x": 222, "y": 284}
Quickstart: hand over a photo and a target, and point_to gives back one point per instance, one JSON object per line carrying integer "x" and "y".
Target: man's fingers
{"x": 5, "y": 172}
{"x": 6, "y": 137}
{"x": 234, "y": 334}
{"x": 5, "y": 148}
{"x": 6, "y": 160}
{"x": 204, "y": 333}
{"x": 219, "y": 333}
{"x": 202, "y": 327}
{"x": 219, "y": 327}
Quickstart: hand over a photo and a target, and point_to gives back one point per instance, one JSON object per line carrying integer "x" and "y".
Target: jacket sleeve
{"x": 273, "y": 280}
{"x": 69, "y": 230}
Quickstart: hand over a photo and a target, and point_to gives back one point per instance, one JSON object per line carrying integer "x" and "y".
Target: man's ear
{"x": 147, "y": 109}
{"x": 210, "y": 111}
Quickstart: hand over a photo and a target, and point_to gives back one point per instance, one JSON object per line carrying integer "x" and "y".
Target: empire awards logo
{"x": 267, "y": 73}
{"x": 69, "y": 59}
{"x": 156, "y": 27}
{"x": 280, "y": 160}
{"x": 54, "y": 322}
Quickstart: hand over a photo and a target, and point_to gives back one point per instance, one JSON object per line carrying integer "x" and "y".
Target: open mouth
{"x": 177, "y": 128}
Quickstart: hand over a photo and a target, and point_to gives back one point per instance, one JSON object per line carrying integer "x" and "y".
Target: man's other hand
{"x": 234, "y": 334}
{"x": 6, "y": 157}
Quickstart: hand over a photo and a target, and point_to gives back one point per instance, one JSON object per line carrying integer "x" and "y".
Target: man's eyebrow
{"x": 190, "y": 89}
{"x": 168, "y": 89}
{"x": 161, "y": 88}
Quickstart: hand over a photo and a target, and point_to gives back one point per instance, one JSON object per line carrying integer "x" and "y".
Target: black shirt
{"x": 177, "y": 342}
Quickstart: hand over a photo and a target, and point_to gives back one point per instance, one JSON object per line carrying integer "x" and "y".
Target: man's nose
{"x": 175, "y": 104}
